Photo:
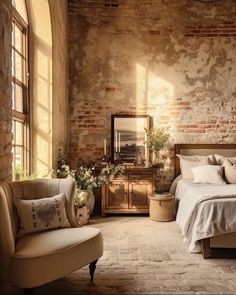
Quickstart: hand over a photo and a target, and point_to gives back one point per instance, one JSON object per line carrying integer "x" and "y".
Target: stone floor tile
{"x": 144, "y": 257}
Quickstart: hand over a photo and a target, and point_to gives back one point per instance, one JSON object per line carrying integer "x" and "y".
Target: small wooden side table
{"x": 161, "y": 207}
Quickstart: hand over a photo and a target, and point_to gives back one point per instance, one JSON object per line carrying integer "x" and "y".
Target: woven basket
{"x": 162, "y": 207}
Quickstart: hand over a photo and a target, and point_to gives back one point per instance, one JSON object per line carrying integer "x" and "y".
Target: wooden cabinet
{"x": 116, "y": 196}
{"x": 129, "y": 192}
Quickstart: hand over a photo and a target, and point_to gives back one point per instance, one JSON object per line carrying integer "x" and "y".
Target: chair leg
{"x": 92, "y": 267}
{"x": 28, "y": 291}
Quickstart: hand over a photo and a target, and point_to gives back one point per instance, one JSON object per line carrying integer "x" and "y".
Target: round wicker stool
{"x": 161, "y": 207}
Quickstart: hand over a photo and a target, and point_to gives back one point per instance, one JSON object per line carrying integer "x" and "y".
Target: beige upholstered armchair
{"x": 40, "y": 257}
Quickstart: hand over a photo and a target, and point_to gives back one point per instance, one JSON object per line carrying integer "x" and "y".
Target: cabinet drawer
{"x": 121, "y": 177}
{"x": 141, "y": 177}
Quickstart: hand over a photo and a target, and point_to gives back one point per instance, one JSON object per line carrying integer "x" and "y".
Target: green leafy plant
{"x": 156, "y": 138}
{"x": 87, "y": 178}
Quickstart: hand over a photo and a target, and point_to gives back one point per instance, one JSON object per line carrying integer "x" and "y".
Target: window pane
{"x": 17, "y": 129}
{"x": 18, "y": 98}
{"x": 19, "y": 133}
{"x": 19, "y": 157}
{"x": 17, "y": 162}
{"x": 18, "y": 66}
{"x": 13, "y": 96}
{"x": 13, "y": 131}
{"x": 21, "y": 8}
{"x": 18, "y": 38}
{"x": 13, "y": 62}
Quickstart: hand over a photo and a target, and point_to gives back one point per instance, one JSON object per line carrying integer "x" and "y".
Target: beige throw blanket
{"x": 205, "y": 210}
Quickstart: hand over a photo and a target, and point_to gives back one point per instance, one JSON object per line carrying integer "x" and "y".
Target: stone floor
{"x": 145, "y": 257}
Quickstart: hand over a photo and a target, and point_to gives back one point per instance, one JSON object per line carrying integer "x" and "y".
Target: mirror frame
{"x": 113, "y": 119}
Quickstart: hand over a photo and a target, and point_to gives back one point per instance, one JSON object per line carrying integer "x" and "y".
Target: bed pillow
{"x": 209, "y": 159}
{"x": 230, "y": 171}
{"x": 221, "y": 159}
{"x": 187, "y": 165}
{"x": 41, "y": 214}
{"x": 208, "y": 174}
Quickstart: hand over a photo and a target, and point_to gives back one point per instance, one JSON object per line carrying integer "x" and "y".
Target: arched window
{"x": 20, "y": 97}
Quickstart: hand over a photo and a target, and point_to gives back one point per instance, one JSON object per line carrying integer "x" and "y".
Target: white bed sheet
{"x": 205, "y": 210}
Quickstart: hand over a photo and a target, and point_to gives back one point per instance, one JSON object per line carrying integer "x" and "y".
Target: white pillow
{"x": 208, "y": 174}
{"x": 186, "y": 165}
{"x": 230, "y": 171}
{"x": 41, "y": 214}
{"x": 220, "y": 159}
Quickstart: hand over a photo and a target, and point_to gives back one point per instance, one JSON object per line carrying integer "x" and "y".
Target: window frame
{"x": 24, "y": 116}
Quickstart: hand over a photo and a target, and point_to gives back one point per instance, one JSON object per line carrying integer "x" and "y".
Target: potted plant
{"x": 87, "y": 178}
{"x": 156, "y": 139}
{"x": 85, "y": 182}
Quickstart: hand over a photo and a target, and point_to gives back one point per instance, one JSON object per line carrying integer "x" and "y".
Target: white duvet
{"x": 205, "y": 210}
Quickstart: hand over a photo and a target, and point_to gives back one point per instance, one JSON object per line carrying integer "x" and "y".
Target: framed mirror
{"x": 128, "y": 138}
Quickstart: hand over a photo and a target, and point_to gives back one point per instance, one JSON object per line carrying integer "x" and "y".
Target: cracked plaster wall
{"x": 173, "y": 60}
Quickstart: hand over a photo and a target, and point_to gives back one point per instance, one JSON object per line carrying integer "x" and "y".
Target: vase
{"x": 83, "y": 197}
{"x": 90, "y": 202}
{"x": 156, "y": 159}
{"x": 82, "y": 214}
{"x": 87, "y": 198}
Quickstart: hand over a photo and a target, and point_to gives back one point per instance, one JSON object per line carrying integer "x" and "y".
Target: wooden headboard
{"x": 228, "y": 150}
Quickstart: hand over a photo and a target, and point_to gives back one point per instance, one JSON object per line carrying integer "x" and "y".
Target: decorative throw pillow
{"x": 208, "y": 174}
{"x": 186, "y": 165}
{"x": 230, "y": 171}
{"x": 220, "y": 159}
{"x": 41, "y": 214}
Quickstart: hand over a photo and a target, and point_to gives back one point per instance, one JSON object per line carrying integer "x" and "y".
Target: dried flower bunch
{"x": 156, "y": 138}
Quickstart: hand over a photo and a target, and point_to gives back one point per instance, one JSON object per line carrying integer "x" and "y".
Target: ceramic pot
{"x": 88, "y": 198}
{"x": 90, "y": 202}
{"x": 82, "y": 215}
{"x": 83, "y": 197}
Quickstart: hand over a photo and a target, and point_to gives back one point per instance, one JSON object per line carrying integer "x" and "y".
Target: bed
{"x": 206, "y": 212}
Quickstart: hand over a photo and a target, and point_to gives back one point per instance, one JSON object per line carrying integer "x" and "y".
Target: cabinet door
{"x": 138, "y": 194}
{"x": 117, "y": 195}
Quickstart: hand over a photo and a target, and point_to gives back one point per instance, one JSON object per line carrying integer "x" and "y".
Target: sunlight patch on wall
{"x": 150, "y": 88}
{"x": 43, "y": 155}
{"x": 141, "y": 84}
{"x": 44, "y": 64}
{"x": 41, "y": 58}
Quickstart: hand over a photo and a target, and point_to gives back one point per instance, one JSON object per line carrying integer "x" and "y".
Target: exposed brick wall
{"x": 152, "y": 57}
{"x": 5, "y": 91}
{"x": 227, "y": 29}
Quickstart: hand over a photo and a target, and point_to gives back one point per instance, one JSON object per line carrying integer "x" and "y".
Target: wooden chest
{"x": 129, "y": 193}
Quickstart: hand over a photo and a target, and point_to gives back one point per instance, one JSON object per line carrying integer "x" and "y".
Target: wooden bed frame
{"x": 223, "y": 245}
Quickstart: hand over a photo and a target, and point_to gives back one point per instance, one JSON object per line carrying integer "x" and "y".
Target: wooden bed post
{"x": 206, "y": 250}
{"x": 176, "y": 159}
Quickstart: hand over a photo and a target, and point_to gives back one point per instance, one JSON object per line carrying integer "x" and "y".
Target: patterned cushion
{"x": 230, "y": 171}
{"x": 41, "y": 214}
